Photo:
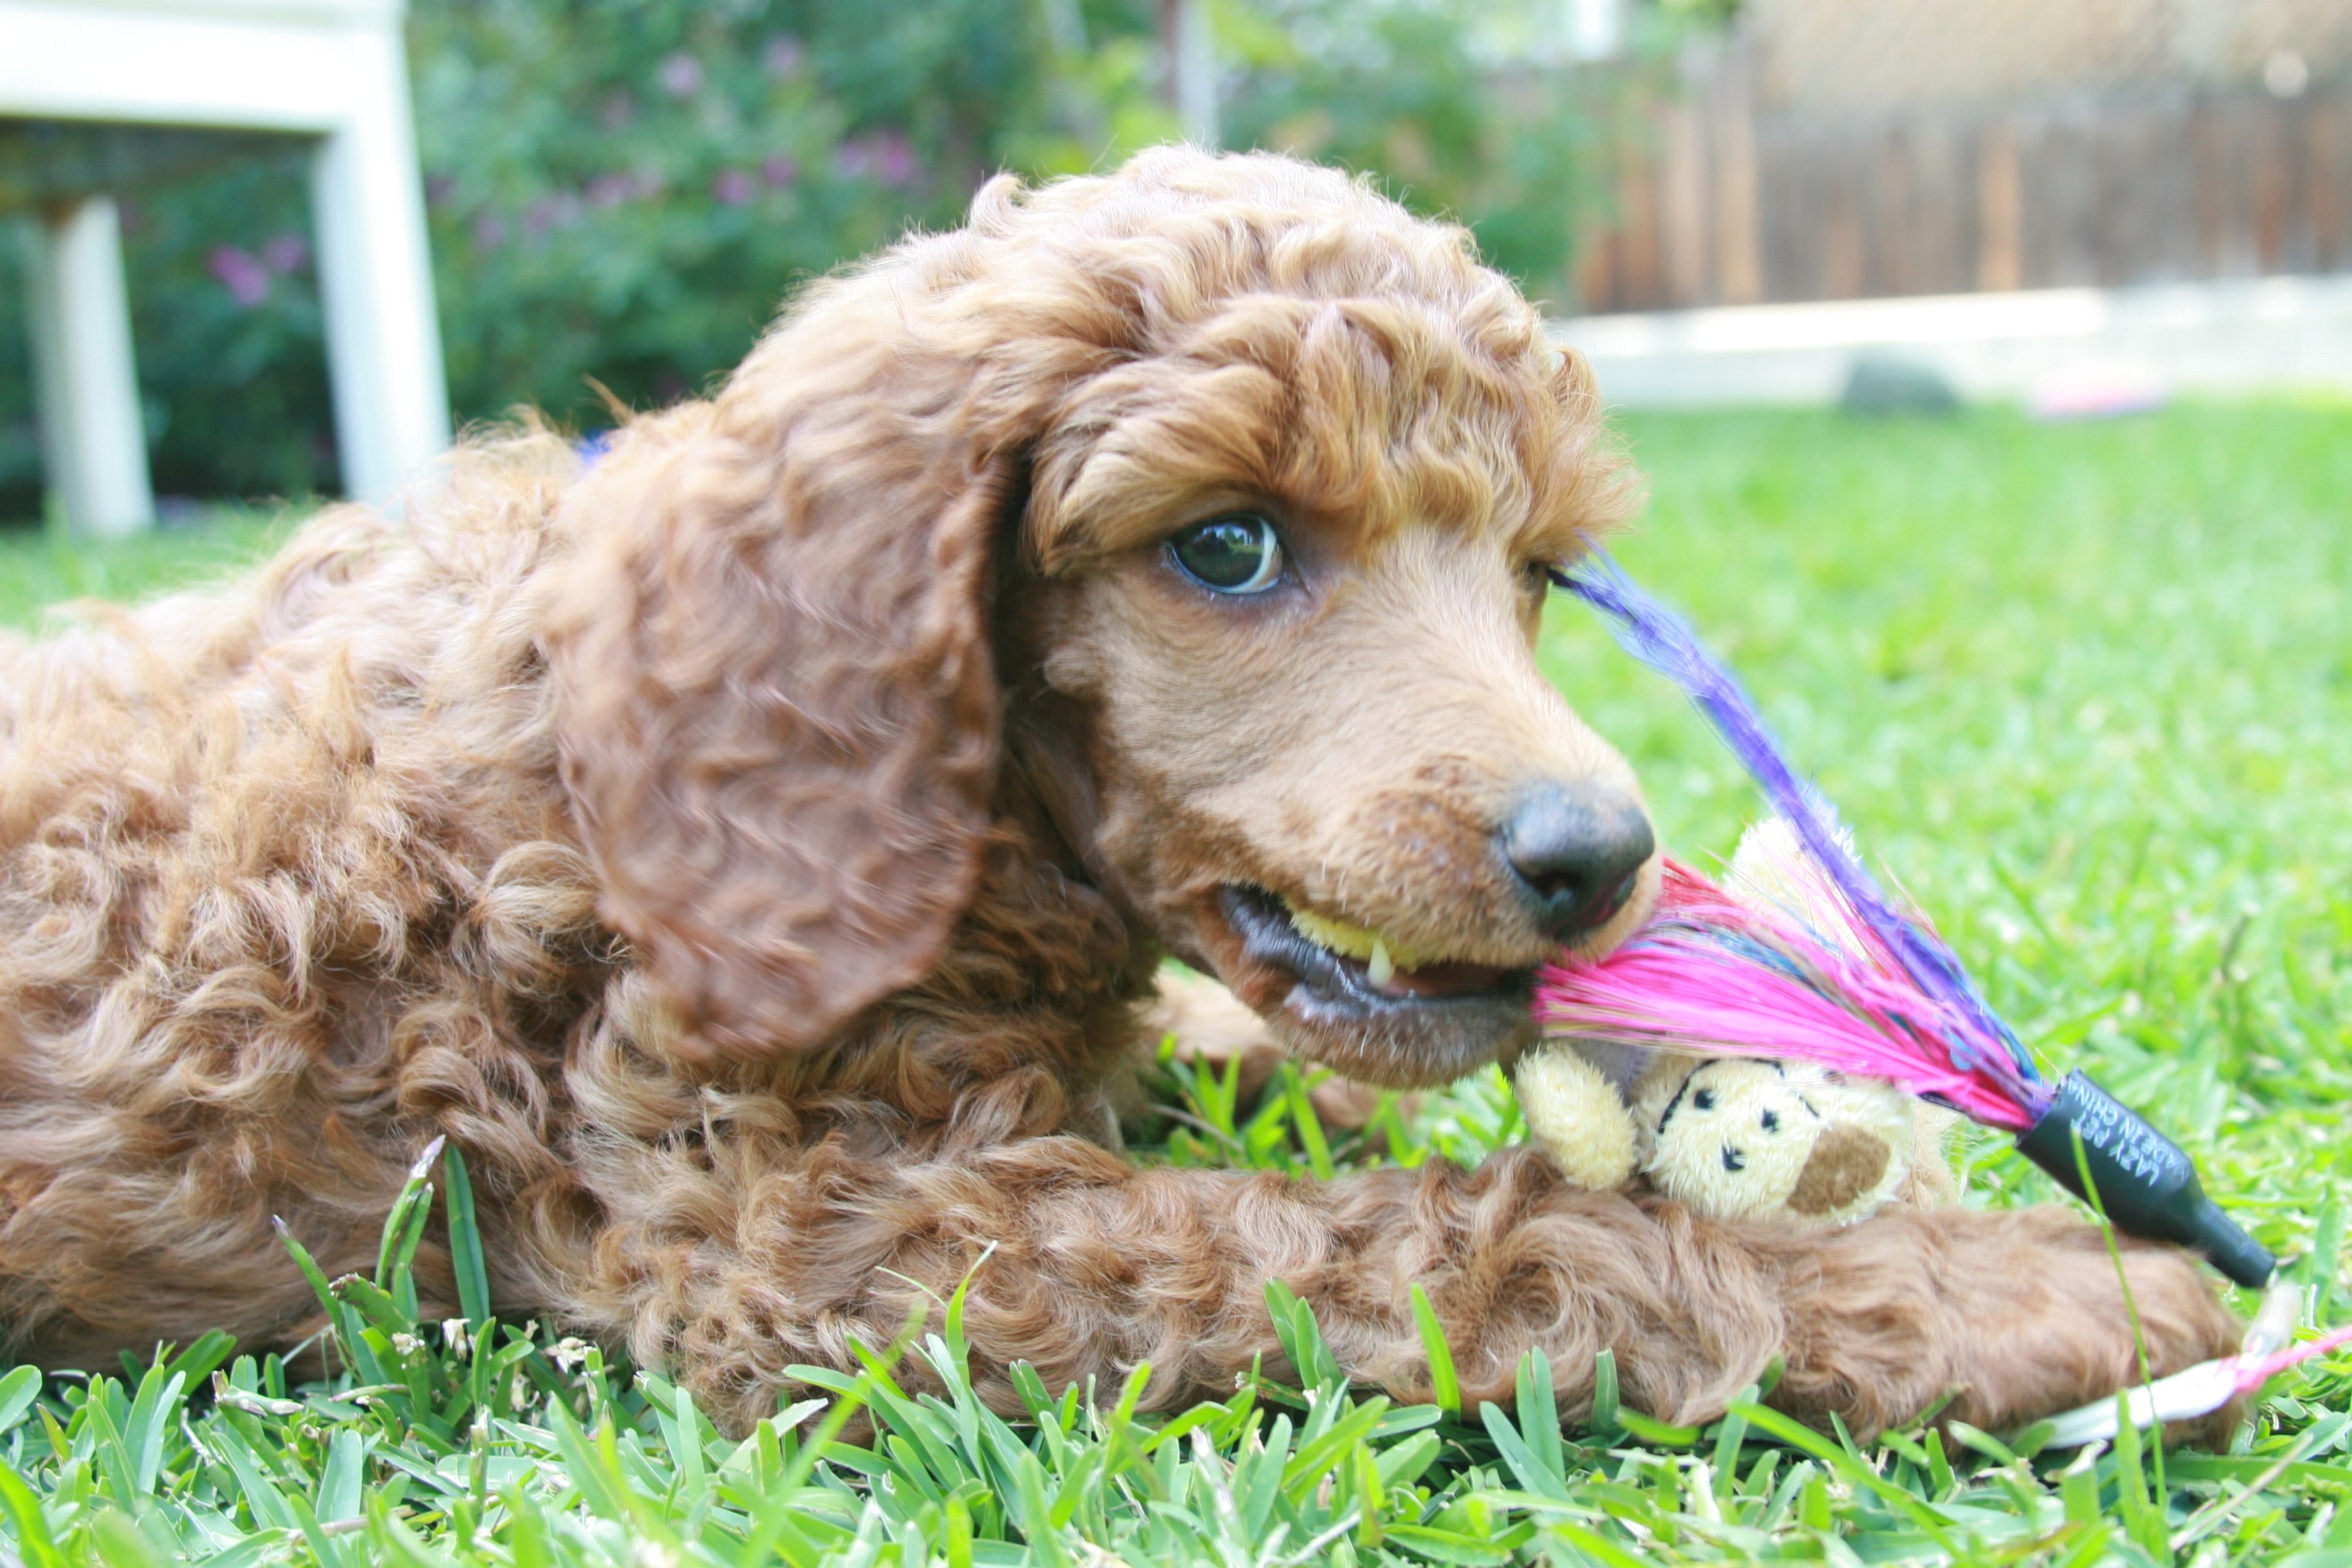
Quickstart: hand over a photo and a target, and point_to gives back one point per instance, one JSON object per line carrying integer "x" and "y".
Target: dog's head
{"x": 1207, "y": 506}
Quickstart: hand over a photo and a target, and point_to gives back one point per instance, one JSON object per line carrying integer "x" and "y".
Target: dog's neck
{"x": 1032, "y": 1012}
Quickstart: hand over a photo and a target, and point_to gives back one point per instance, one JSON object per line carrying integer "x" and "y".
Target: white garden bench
{"x": 331, "y": 71}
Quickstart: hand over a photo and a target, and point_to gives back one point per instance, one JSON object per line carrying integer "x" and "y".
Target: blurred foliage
{"x": 20, "y": 448}
{"x": 621, "y": 192}
{"x": 1470, "y": 113}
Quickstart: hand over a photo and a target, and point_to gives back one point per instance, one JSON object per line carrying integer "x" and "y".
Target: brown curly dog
{"x": 755, "y": 850}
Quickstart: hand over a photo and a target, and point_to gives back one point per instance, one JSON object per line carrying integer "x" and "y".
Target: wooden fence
{"x": 1720, "y": 201}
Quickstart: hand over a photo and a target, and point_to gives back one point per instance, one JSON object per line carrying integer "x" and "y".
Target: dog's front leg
{"x": 1098, "y": 1266}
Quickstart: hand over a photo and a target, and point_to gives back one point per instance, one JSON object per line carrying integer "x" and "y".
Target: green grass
{"x": 39, "y": 568}
{"x": 2086, "y": 690}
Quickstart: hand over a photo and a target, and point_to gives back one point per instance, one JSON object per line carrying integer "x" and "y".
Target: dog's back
{"x": 286, "y": 852}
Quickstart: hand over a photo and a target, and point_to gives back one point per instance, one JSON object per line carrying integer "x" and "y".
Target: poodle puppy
{"x": 755, "y": 850}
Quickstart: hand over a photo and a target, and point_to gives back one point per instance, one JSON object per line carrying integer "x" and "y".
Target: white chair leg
{"x": 375, "y": 276}
{"x": 86, "y": 381}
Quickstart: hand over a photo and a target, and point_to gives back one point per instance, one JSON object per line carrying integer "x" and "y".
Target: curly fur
{"x": 755, "y": 852}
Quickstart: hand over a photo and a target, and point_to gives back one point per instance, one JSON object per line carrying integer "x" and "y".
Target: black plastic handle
{"x": 2148, "y": 1186}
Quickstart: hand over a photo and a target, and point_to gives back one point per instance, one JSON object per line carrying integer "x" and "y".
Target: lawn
{"x": 2086, "y": 690}
{"x": 38, "y": 570}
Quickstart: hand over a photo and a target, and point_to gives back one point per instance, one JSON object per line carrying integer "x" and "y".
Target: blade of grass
{"x": 1444, "y": 1388}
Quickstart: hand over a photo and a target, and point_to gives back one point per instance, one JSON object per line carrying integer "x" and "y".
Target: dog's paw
{"x": 2017, "y": 1315}
{"x": 2090, "y": 1343}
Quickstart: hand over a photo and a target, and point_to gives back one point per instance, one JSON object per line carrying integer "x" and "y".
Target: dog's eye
{"x": 1236, "y": 554}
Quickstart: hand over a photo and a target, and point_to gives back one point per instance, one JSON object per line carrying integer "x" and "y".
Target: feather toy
{"x": 1837, "y": 974}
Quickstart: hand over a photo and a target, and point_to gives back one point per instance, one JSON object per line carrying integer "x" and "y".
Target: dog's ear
{"x": 777, "y": 716}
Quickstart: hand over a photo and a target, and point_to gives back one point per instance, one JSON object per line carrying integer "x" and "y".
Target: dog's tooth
{"x": 1333, "y": 936}
{"x": 1354, "y": 941}
{"x": 1381, "y": 966}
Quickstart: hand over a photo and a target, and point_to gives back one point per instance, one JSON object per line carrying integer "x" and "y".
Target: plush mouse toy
{"x": 1734, "y": 1137}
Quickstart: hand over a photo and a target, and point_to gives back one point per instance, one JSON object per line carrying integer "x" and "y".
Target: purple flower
{"x": 489, "y": 231}
{"x": 681, "y": 75}
{"x": 617, "y": 110}
{"x": 557, "y": 211}
{"x": 438, "y": 189}
{"x": 886, "y": 155}
{"x": 782, "y": 56}
{"x": 733, "y": 187}
{"x": 611, "y": 190}
{"x": 286, "y": 254}
{"x": 780, "y": 172}
{"x": 894, "y": 159}
{"x": 243, "y": 275}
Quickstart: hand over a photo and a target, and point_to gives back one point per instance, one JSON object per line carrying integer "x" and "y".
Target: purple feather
{"x": 1661, "y": 640}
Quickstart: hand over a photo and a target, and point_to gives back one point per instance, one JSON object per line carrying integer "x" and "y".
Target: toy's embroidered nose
{"x": 1846, "y": 1163}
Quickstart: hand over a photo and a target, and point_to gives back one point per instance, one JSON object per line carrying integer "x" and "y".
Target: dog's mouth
{"x": 1345, "y": 964}
{"x": 1375, "y": 1009}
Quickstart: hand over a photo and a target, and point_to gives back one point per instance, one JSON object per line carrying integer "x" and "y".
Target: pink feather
{"x": 1710, "y": 974}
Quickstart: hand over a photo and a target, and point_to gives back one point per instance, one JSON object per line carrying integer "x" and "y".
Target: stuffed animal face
{"x": 1741, "y": 1138}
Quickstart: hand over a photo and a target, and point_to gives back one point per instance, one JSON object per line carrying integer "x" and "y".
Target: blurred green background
{"x": 621, "y": 192}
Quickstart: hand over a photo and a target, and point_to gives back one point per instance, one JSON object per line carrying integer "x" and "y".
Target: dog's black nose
{"x": 1578, "y": 851}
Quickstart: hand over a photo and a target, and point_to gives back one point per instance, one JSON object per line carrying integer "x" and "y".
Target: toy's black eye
{"x": 1236, "y": 554}
{"x": 1704, "y": 1100}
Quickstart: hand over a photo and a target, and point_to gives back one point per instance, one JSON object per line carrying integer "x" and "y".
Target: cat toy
{"x": 1838, "y": 975}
